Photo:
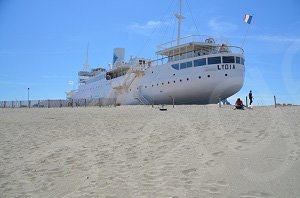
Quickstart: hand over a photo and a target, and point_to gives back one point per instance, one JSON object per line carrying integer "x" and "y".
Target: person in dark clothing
{"x": 239, "y": 104}
{"x": 250, "y": 97}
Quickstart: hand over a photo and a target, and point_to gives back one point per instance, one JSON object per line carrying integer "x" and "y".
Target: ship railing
{"x": 185, "y": 40}
{"x": 217, "y": 49}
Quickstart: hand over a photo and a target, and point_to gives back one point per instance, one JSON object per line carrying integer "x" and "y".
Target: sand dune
{"x": 136, "y": 151}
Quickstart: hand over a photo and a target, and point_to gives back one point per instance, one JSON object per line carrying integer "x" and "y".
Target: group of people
{"x": 239, "y": 103}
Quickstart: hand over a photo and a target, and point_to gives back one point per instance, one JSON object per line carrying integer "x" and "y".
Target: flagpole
{"x": 247, "y": 31}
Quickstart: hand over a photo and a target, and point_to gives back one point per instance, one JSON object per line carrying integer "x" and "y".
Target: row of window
{"x": 209, "y": 61}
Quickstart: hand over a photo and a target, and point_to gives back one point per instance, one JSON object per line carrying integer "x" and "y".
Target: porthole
{"x": 226, "y": 75}
{"x": 157, "y": 84}
{"x": 152, "y": 72}
{"x": 208, "y": 76}
{"x": 173, "y": 74}
{"x": 168, "y": 82}
{"x": 152, "y": 85}
{"x": 174, "y": 81}
{"x": 162, "y": 83}
{"x": 180, "y": 80}
{"x": 187, "y": 79}
{"x": 199, "y": 77}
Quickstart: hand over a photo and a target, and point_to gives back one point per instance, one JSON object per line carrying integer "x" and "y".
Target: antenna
{"x": 86, "y": 65}
{"x": 179, "y": 18}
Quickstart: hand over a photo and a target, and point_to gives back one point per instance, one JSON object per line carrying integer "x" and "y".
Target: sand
{"x": 139, "y": 151}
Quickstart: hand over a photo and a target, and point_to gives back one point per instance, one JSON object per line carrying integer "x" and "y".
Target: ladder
{"x": 142, "y": 99}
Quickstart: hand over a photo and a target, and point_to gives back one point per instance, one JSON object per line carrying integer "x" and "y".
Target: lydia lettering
{"x": 226, "y": 66}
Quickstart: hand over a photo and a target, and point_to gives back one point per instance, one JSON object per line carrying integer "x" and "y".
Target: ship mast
{"x": 86, "y": 64}
{"x": 179, "y": 18}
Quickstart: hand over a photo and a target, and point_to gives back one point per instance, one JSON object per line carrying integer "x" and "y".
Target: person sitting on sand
{"x": 239, "y": 104}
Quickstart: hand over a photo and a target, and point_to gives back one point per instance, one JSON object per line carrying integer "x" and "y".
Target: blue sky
{"x": 43, "y": 43}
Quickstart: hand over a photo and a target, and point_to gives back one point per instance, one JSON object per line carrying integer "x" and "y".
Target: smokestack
{"x": 118, "y": 56}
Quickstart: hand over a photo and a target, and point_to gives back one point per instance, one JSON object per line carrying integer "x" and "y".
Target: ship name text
{"x": 226, "y": 66}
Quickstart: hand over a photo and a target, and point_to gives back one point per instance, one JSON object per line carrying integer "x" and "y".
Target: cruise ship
{"x": 188, "y": 70}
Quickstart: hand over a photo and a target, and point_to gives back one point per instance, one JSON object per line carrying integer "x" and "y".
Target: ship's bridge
{"x": 192, "y": 46}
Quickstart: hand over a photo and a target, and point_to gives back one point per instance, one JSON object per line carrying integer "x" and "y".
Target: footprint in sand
{"x": 210, "y": 190}
{"x": 255, "y": 194}
{"x": 189, "y": 171}
{"x": 217, "y": 154}
{"x": 294, "y": 155}
{"x": 244, "y": 141}
{"x": 210, "y": 163}
{"x": 214, "y": 187}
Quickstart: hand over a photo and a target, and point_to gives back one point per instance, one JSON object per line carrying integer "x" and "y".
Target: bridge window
{"x": 228, "y": 59}
{"x": 238, "y": 60}
{"x": 214, "y": 60}
{"x": 182, "y": 65}
{"x": 175, "y": 66}
{"x": 186, "y": 65}
{"x": 189, "y": 64}
{"x": 242, "y": 61}
{"x": 200, "y": 62}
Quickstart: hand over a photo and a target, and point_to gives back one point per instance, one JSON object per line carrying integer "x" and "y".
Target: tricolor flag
{"x": 248, "y": 18}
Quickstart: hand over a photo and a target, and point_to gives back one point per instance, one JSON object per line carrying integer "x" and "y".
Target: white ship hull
{"x": 190, "y": 90}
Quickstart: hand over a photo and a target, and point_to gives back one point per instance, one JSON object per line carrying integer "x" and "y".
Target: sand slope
{"x": 135, "y": 151}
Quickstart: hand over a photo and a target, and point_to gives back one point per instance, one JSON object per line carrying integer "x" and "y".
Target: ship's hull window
{"x": 228, "y": 59}
{"x": 238, "y": 60}
{"x": 200, "y": 62}
{"x": 175, "y": 66}
{"x": 242, "y": 61}
{"x": 214, "y": 60}
{"x": 189, "y": 64}
{"x": 182, "y": 65}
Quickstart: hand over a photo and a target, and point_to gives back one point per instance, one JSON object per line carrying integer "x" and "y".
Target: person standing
{"x": 250, "y": 97}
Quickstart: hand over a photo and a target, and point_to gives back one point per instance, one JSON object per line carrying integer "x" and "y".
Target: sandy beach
{"x": 139, "y": 151}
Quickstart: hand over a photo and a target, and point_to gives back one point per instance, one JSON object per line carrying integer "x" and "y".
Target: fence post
{"x": 12, "y": 104}
{"x": 38, "y": 103}
{"x": 72, "y": 103}
{"x": 29, "y": 101}
{"x": 99, "y": 102}
{"x": 4, "y": 104}
{"x": 85, "y": 102}
{"x": 48, "y": 103}
{"x": 60, "y": 104}
{"x": 275, "y": 101}
{"x": 173, "y": 102}
{"x": 246, "y": 101}
{"x": 20, "y": 103}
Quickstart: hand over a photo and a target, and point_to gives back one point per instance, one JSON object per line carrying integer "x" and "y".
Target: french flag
{"x": 248, "y": 18}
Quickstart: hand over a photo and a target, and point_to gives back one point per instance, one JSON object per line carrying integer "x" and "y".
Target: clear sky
{"x": 43, "y": 43}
